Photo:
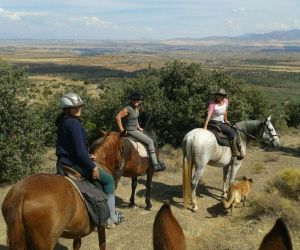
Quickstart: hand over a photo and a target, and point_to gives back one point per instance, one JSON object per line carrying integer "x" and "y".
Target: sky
{"x": 144, "y": 19}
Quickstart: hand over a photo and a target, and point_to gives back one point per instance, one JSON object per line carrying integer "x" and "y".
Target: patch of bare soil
{"x": 211, "y": 227}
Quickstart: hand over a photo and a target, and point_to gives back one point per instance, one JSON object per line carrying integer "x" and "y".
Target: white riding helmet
{"x": 70, "y": 100}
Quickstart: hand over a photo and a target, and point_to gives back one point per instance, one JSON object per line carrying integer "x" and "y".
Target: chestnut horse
{"x": 43, "y": 207}
{"x": 168, "y": 234}
{"x": 118, "y": 157}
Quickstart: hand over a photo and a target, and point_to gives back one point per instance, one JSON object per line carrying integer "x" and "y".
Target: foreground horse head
{"x": 43, "y": 207}
{"x": 200, "y": 148}
{"x": 118, "y": 156}
{"x": 167, "y": 233}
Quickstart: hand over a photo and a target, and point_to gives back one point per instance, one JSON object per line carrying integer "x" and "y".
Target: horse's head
{"x": 269, "y": 134}
{"x": 107, "y": 150}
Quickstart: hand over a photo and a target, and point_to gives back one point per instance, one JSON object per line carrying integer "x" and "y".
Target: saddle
{"x": 94, "y": 197}
{"x": 139, "y": 147}
{"x": 222, "y": 139}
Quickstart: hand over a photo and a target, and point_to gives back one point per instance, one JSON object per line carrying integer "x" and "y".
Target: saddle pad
{"x": 222, "y": 140}
{"x": 95, "y": 200}
{"x": 139, "y": 147}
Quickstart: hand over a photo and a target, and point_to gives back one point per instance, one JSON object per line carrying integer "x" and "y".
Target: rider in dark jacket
{"x": 71, "y": 151}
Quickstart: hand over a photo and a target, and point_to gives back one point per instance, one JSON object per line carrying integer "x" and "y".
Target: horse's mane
{"x": 105, "y": 144}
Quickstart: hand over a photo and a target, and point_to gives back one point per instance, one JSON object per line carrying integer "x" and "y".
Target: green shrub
{"x": 21, "y": 137}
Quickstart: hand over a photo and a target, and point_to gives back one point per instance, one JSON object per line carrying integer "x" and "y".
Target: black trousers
{"x": 224, "y": 128}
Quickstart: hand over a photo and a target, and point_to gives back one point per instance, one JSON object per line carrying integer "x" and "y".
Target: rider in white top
{"x": 217, "y": 114}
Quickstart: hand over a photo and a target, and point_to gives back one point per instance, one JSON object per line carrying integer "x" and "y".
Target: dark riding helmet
{"x": 135, "y": 96}
{"x": 220, "y": 92}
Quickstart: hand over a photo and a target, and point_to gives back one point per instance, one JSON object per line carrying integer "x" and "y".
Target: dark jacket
{"x": 71, "y": 148}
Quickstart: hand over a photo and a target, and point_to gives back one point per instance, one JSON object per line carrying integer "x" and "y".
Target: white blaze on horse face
{"x": 270, "y": 133}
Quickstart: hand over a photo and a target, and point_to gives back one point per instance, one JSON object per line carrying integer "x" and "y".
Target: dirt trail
{"x": 207, "y": 229}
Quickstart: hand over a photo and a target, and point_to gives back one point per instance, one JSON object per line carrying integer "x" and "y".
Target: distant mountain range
{"x": 288, "y": 35}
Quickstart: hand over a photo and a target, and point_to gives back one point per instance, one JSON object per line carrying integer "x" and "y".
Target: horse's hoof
{"x": 224, "y": 196}
{"x": 131, "y": 205}
{"x": 195, "y": 209}
{"x": 148, "y": 207}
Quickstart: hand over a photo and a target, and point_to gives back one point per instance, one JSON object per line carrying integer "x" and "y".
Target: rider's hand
{"x": 123, "y": 132}
{"x": 95, "y": 173}
{"x": 93, "y": 157}
{"x": 141, "y": 129}
{"x": 227, "y": 122}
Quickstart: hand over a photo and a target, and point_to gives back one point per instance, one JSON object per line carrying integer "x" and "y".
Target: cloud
{"x": 241, "y": 9}
{"x": 18, "y": 15}
{"x": 271, "y": 26}
{"x": 93, "y": 21}
{"x": 296, "y": 23}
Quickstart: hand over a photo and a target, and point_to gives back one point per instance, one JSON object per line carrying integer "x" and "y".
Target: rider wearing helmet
{"x": 71, "y": 151}
{"x": 131, "y": 126}
{"x": 217, "y": 115}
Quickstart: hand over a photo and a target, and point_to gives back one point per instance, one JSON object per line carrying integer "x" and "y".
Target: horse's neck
{"x": 249, "y": 129}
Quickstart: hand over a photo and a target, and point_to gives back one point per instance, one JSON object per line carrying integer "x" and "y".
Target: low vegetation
{"x": 280, "y": 199}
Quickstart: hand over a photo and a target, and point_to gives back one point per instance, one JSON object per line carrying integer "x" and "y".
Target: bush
{"x": 287, "y": 183}
{"x": 177, "y": 95}
{"x": 21, "y": 137}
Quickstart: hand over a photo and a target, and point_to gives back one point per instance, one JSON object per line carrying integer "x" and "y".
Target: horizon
{"x": 143, "y": 20}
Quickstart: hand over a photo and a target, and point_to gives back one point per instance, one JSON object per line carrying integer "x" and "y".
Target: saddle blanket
{"x": 140, "y": 148}
{"x": 95, "y": 200}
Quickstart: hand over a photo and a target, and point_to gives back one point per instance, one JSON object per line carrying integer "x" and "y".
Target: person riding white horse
{"x": 217, "y": 115}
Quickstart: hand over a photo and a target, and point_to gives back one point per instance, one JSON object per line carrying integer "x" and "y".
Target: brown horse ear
{"x": 104, "y": 133}
{"x": 277, "y": 238}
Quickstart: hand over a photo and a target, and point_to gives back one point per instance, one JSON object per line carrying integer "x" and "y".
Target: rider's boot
{"x": 234, "y": 148}
{"x": 115, "y": 217}
{"x": 156, "y": 165}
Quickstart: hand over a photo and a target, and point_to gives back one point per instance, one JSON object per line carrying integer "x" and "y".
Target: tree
{"x": 21, "y": 137}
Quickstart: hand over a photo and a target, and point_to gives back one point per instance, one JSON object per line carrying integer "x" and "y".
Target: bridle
{"x": 265, "y": 129}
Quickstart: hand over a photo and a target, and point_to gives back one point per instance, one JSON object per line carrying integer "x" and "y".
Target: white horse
{"x": 200, "y": 148}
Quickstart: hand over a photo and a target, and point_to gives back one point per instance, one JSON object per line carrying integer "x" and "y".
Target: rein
{"x": 255, "y": 137}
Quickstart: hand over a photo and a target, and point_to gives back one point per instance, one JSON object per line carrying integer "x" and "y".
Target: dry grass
{"x": 258, "y": 168}
{"x": 280, "y": 198}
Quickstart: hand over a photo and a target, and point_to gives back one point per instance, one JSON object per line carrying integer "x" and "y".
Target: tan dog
{"x": 238, "y": 192}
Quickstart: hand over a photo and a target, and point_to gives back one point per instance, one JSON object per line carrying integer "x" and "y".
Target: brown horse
{"x": 117, "y": 156}
{"x": 168, "y": 234}
{"x": 43, "y": 207}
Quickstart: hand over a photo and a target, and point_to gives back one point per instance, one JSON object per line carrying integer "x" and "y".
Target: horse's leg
{"x": 76, "y": 244}
{"x": 225, "y": 180}
{"x": 234, "y": 168}
{"x": 102, "y": 237}
{"x": 133, "y": 188}
{"x": 150, "y": 172}
{"x": 199, "y": 168}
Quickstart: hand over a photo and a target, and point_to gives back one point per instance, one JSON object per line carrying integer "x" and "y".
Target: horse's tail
{"x": 167, "y": 232}
{"x": 12, "y": 213}
{"x": 187, "y": 170}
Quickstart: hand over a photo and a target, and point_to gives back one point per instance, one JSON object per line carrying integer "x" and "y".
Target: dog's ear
{"x": 250, "y": 180}
{"x": 244, "y": 178}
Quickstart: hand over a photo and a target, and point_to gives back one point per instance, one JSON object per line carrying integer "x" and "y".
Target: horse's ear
{"x": 104, "y": 133}
{"x": 269, "y": 118}
{"x": 277, "y": 238}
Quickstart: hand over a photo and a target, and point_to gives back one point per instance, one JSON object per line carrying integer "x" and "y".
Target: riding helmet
{"x": 70, "y": 100}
